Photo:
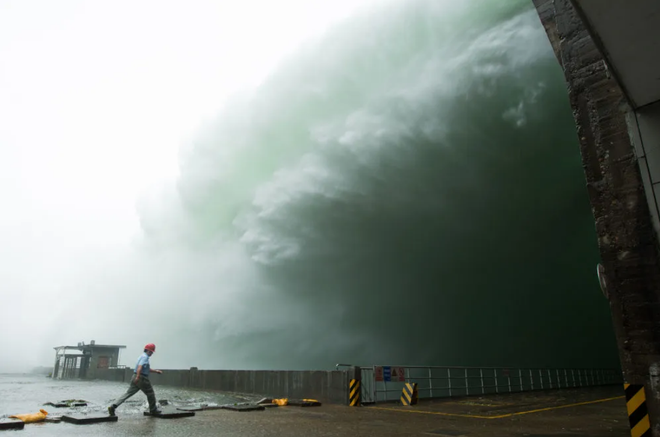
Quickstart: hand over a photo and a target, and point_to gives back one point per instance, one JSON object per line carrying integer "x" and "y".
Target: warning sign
{"x": 389, "y": 374}
{"x": 398, "y": 374}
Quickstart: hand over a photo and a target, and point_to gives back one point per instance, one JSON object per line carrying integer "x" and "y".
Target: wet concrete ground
{"x": 589, "y": 412}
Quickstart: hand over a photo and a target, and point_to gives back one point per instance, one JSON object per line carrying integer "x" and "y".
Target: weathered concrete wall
{"x": 624, "y": 225}
{"x": 325, "y": 386}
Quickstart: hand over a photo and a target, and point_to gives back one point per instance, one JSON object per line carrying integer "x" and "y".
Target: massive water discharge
{"x": 405, "y": 189}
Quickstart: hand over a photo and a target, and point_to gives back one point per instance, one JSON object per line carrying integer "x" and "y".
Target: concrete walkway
{"x": 589, "y": 412}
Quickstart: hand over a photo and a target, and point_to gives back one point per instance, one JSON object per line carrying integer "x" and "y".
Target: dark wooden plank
{"x": 80, "y": 419}
{"x": 11, "y": 424}
{"x": 170, "y": 412}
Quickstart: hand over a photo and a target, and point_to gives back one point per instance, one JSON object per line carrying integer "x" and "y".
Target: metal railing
{"x": 438, "y": 382}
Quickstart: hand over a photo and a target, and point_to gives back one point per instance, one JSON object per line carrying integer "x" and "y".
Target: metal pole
{"x": 481, "y": 374}
{"x": 549, "y": 378}
{"x": 520, "y": 379}
{"x": 430, "y": 383}
{"x": 449, "y": 381}
{"x": 467, "y": 384}
{"x": 531, "y": 378}
{"x": 541, "y": 378}
{"x": 497, "y": 389}
{"x": 375, "y": 385}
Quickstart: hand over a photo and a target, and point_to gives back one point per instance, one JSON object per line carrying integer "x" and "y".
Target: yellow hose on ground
{"x": 31, "y": 418}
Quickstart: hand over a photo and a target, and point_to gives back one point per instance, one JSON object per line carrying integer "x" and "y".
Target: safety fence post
{"x": 638, "y": 415}
{"x": 354, "y": 386}
{"x": 409, "y": 394}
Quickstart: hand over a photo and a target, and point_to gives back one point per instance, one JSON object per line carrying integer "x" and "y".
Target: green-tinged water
{"x": 407, "y": 189}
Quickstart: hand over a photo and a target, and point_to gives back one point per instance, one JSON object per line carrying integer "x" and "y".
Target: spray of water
{"x": 405, "y": 189}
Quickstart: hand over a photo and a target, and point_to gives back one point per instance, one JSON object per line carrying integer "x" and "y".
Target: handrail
{"x": 448, "y": 381}
{"x": 485, "y": 368}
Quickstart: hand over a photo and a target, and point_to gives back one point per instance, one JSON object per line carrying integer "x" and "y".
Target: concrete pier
{"x": 595, "y": 412}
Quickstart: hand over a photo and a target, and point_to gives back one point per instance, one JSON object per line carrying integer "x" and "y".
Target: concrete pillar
{"x": 56, "y": 366}
{"x": 93, "y": 365}
{"x": 194, "y": 378}
{"x": 626, "y": 238}
{"x": 354, "y": 372}
{"x": 653, "y": 396}
{"x": 354, "y": 386}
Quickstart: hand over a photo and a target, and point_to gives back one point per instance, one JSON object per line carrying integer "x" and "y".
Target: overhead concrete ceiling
{"x": 628, "y": 32}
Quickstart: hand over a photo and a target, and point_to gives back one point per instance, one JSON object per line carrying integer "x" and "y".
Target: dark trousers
{"x": 144, "y": 385}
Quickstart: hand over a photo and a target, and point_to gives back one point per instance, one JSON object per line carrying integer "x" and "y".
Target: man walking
{"x": 140, "y": 381}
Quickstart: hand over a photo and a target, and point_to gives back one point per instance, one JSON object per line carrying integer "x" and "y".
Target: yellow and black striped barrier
{"x": 354, "y": 393}
{"x": 409, "y": 394}
{"x": 638, "y": 415}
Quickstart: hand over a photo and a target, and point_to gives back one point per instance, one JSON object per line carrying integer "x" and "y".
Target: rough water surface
{"x": 24, "y": 394}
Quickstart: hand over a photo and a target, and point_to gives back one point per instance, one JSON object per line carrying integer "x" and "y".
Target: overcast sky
{"x": 95, "y": 99}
